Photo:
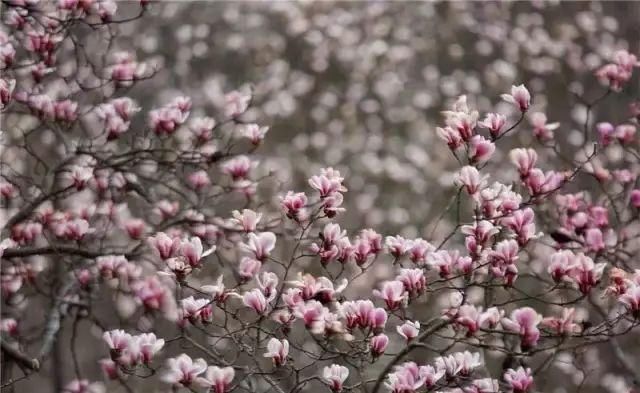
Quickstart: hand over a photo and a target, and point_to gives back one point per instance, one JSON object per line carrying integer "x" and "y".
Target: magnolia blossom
{"x": 480, "y": 149}
{"x": 524, "y": 160}
{"x": 524, "y": 321}
{"x": 519, "y": 97}
{"x": 541, "y": 129}
{"x": 217, "y": 291}
{"x": 631, "y": 298}
{"x": 248, "y": 268}
{"x": 473, "y": 318}
{"x": 118, "y": 340}
{"x": 564, "y": 325}
{"x": 218, "y": 379}
{"x": 256, "y": 300}
{"x": 278, "y": 351}
{"x": 195, "y": 310}
{"x": 247, "y": 220}
{"x": 254, "y": 133}
{"x": 520, "y": 380}
{"x": 409, "y": 330}
{"x": 470, "y": 178}
{"x": 483, "y": 385}
{"x": 409, "y": 377}
{"x": 260, "y": 244}
{"x": 494, "y": 122}
{"x": 198, "y": 180}
{"x": 183, "y": 370}
{"x": 236, "y": 103}
{"x": 293, "y": 205}
{"x": 378, "y": 344}
{"x": 334, "y": 376}
{"x": 393, "y": 294}
{"x": 84, "y": 386}
{"x": 459, "y": 363}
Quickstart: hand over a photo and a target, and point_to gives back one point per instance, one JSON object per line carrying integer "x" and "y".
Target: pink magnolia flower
{"x": 165, "y": 246}
{"x": 524, "y": 321}
{"x": 254, "y": 133}
{"x": 149, "y": 346}
{"x": 631, "y": 298}
{"x": 398, "y": 245}
{"x": 541, "y": 129}
{"x": 594, "y": 240}
{"x": 117, "y": 340}
{"x": 520, "y": 380}
{"x": 563, "y": 325}
{"x": 110, "y": 369}
{"x": 9, "y": 326}
{"x": 293, "y": 205}
{"x": 256, "y": 300}
{"x": 561, "y": 262}
{"x": 135, "y": 228}
{"x": 247, "y": 220}
{"x": 312, "y": 313}
{"x": 80, "y": 175}
{"x": 217, "y": 291}
{"x": 409, "y": 377}
{"x": 166, "y": 209}
{"x": 606, "y": 133}
{"x": 182, "y": 370}
{"x": 459, "y": 363}
{"x": 480, "y": 149}
{"x": 334, "y": 376}
{"x": 198, "y": 180}
{"x": 524, "y": 160}
{"x": 6, "y": 90}
{"x": 378, "y": 344}
{"x": 420, "y": 251}
{"x": 196, "y": 310}
{"x": 202, "y": 128}
{"x": 522, "y": 223}
{"x": 409, "y": 330}
{"x": 26, "y": 233}
{"x": 328, "y": 182}
{"x": 125, "y": 70}
{"x": 321, "y": 288}
{"x": 585, "y": 273}
{"x": 66, "y": 110}
{"x": 519, "y": 97}
{"x": 414, "y": 281}
{"x": 483, "y": 385}
{"x": 248, "y": 268}
{"x": 83, "y": 386}
{"x": 260, "y": 245}
{"x": 362, "y": 313}
{"x": 393, "y": 294}
{"x": 238, "y": 167}
{"x": 444, "y": 261}
{"x": 451, "y": 136}
{"x": 470, "y": 178}
{"x": 625, "y": 133}
{"x": 278, "y": 351}
{"x": 217, "y": 379}
{"x": 236, "y": 103}
{"x": 473, "y": 319}
{"x": 268, "y": 284}
{"x": 193, "y": 251}
{"x": 494, "y": 122}
{"x": 618, "y": 73}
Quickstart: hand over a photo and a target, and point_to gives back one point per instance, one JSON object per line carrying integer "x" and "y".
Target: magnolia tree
{"x": 155, "y": 240}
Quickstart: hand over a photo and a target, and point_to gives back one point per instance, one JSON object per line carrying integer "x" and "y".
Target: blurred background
{"x": 360, "y": 85}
